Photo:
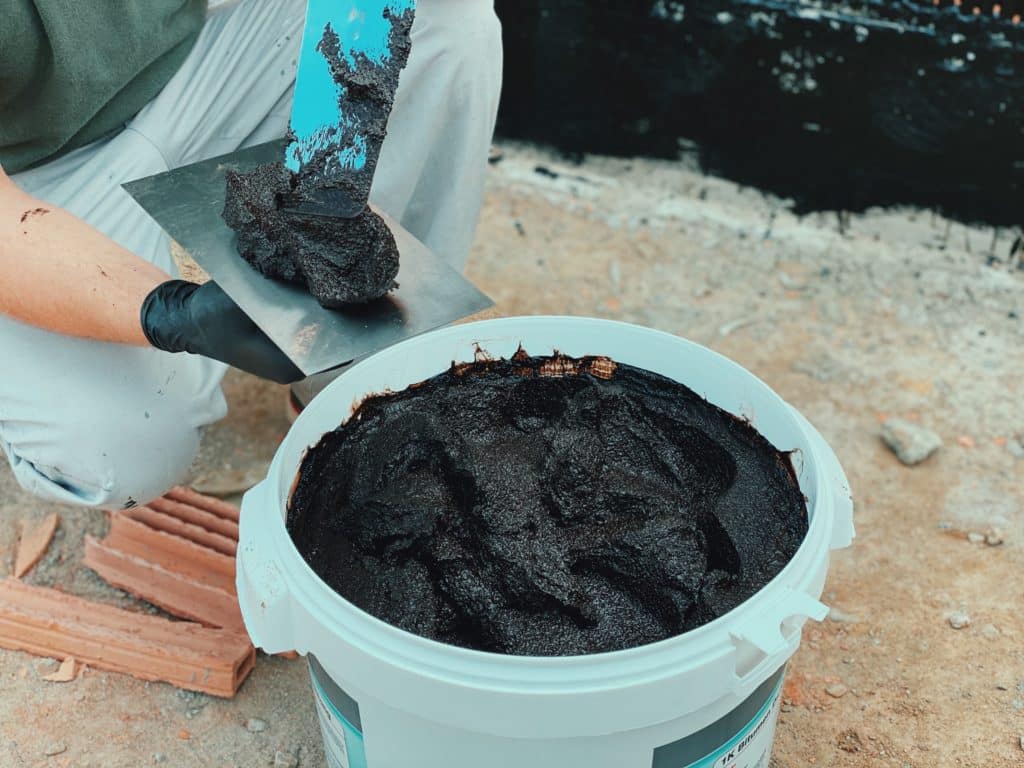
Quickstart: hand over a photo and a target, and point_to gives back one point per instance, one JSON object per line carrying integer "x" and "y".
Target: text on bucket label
{"x": 343, "y": 743}
{"x": 750, "y": 747}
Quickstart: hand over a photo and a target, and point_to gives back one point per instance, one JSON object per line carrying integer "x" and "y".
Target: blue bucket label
{"x": 749, "y": 747}
{"x": 343, "y": 741}
{"x": 721, "y": 745}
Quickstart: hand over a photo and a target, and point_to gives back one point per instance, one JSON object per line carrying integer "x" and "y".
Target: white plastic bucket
{"x": 390, "y": 699}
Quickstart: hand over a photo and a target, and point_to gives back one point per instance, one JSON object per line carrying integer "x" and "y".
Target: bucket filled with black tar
{"x": 544, "y": 541}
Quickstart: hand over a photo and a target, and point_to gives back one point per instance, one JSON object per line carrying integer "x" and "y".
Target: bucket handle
{"x": 263, "y": 594}
{"x": 772, "y": 637}
{"x": 843, "y": 530}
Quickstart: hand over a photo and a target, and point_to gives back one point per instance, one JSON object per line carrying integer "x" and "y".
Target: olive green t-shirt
{"x": 74, "y": 71}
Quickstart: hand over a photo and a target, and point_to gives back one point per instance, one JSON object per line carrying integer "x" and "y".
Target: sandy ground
{"x": 852, "y": 318}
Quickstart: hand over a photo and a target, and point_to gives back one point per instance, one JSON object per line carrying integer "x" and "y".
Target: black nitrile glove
{"x": 179, "y": 316}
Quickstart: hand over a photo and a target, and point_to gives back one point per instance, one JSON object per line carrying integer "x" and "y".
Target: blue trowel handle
{"x": 326, "y": 144}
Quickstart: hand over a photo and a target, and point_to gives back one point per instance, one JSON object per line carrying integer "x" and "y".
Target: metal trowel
{"x": 187, "y": 203}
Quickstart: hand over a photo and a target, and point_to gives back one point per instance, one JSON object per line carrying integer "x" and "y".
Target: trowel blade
{"x": 328, "y": 202}
{"x": 187, "y": 202}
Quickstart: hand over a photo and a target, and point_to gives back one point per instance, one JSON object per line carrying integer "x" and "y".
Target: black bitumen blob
{"x": 342, "y": 261}
{"x": 250, "y": 209}
{"x": 546, "y": 506}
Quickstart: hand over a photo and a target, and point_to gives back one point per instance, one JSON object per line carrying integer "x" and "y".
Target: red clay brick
{"x": 174, "y": 552}
{"x": 191, "y": 514}
{"x": 209, "y": 503}
{"x": 190, "y": 596}
{"x": 46, "y": 622}
{"x": 35, "y": 540}
{"x": 195, "y": 533}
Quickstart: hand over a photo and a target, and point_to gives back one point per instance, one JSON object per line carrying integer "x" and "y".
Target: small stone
{"x": 57, "y": 748}
{"x": 991, "y": 631}
{"x": 911, "y": 443}
{"x": 993, "y": 537}
{"x": 1020, "y": 741}
{"x": 959, "y": 620}
{"x": 837, "y": 690}
{"x": 842, "y": 617}
{"x": 975, "y": 538}
{"x": 615, "y": 274}
{"x": 159, "y": 757}
{"x": 255, "y": 725}
{"x": 1001, "y": 687}
{"x": 822, "y": 367}
{"x": 789, "y": 282}
{"x": 1016, "y": 447}
{"x": 283, "y": 759}
{"x": 733, "y": 325}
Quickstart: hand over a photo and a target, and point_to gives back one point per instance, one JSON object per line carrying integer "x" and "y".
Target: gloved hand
{"x": 179, "y": 316}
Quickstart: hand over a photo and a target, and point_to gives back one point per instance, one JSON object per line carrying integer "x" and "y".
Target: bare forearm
{"x": 58, "y": 273}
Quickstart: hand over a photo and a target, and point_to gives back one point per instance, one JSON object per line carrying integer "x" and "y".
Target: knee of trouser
{"x": 147, "y": 460}
{"x": 111, "y": 463}
{"x": 152, "y": 446}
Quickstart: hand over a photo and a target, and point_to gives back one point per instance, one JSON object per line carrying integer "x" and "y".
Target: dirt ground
{"x": 851, "y": 318}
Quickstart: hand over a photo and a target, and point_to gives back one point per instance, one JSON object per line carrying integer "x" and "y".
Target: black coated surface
{"x": 837, "y": 106}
